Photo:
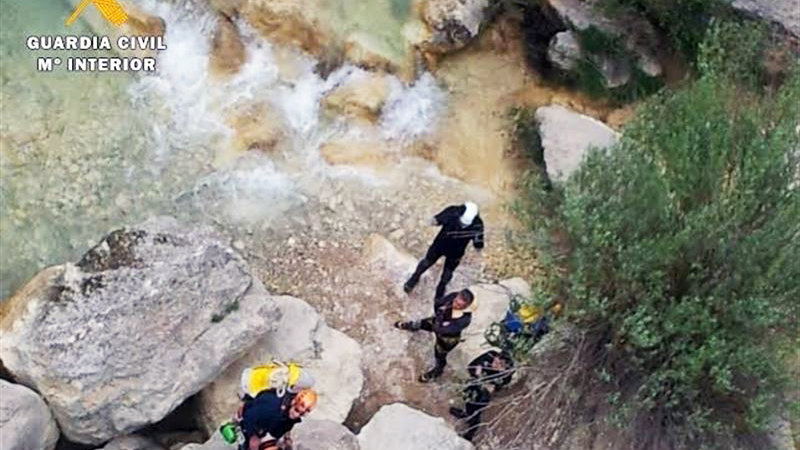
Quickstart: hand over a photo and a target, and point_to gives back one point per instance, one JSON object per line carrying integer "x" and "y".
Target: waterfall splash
{"x": 117, "y": 149}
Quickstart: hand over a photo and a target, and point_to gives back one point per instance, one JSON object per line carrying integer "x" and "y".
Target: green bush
{"x": 683, "y": 250}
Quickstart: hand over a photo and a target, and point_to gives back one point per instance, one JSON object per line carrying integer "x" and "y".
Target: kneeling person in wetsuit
{"x": 450, "y": 318}
{"x": 268, "y": 418}
{"x": 460, "y": 225}
{"x": 488, "y": 373}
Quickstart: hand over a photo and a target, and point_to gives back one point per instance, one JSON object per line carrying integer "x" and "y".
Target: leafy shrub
{"x": 683, "y": 249}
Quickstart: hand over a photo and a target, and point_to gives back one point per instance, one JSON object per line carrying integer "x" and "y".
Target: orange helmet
{"x": 307, "y": 398}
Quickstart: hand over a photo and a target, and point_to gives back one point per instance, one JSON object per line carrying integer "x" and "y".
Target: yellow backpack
{"x": 275, "y": 375}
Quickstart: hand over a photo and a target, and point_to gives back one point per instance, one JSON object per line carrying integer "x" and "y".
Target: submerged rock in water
{"x": 300, "y": 335}
{"x": 25, "y": 419}
{"x": 229, "y": 8}
{"x": 360, "y": 98}
{"x": 227, "y": 51}
{"x": 567, "y": 136}
{"x": 147, "y": 318}
{"x": 289, "y": 22}
{"x": 399, "y": 427}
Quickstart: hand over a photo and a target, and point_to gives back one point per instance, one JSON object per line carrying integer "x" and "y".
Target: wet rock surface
{"x": 227, "y": 52}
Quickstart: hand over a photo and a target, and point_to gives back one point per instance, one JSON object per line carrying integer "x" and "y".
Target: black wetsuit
{"x": 446, "y": 328}
{"x": 451, "y": 242}
{"x": 267, "y": 414}
{"x": 477, "y": 395}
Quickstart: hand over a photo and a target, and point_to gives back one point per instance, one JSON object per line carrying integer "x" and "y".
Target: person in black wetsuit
{"x": 450, "y": 318}
{"x": 488, "y": 373}
{"x": 267, "y": 419}
{"x": 460, "y": 225}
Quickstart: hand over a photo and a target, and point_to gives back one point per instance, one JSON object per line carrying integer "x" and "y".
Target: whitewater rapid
{"x": 133, "y": 147}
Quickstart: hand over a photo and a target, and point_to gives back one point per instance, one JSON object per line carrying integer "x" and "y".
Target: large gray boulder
{"x": 146, "y": 319}
{"x": 323, "y": 435}
{"x": 566, "y": 137}
{"x": 300, "y": 335}
{"x": 25, "y": 420}
{"x": 399, "y": 427}
{"x": 785, "y": 13}
{"x": 564, "y": 50}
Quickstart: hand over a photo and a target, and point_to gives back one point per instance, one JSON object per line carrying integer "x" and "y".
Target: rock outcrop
{"x": 564, "y": 50}
{"x": 399, "y": 427}
{"x": 301, "y": 335}
{"x": 785, "y": 13}
{"x": 323, "y": 435}
{"x": 25, "y": 419}
{"x": 145, "y": 319}
{"x": 634, "y": 35}
{"x": 567, "y": 136}
{"x": 452, "y": 23}
{"x": 378, "y": 35}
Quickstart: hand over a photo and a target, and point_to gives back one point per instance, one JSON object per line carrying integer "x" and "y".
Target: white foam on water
{"x": 195, "y": 106}
{"x": 412, "y": 111}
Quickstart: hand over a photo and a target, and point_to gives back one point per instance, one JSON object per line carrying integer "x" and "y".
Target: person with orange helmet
{"x": 268, "y": 418}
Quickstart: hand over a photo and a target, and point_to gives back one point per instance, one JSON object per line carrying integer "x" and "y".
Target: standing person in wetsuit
{"x": 460, "y": 225}
{"x": 449, "y": 320}
{"x": 268, "y": 418}
{"x": 488, "y": 373}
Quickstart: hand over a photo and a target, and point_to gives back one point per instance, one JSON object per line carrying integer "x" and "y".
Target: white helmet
{"x": 470, "y": 211}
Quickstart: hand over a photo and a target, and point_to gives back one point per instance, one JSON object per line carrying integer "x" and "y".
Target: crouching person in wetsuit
{"x": 460, "y": 225}
{"x": 488, "y": 373}
{"x": 451, "y": 317}
{"x": 267, "y": 419}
